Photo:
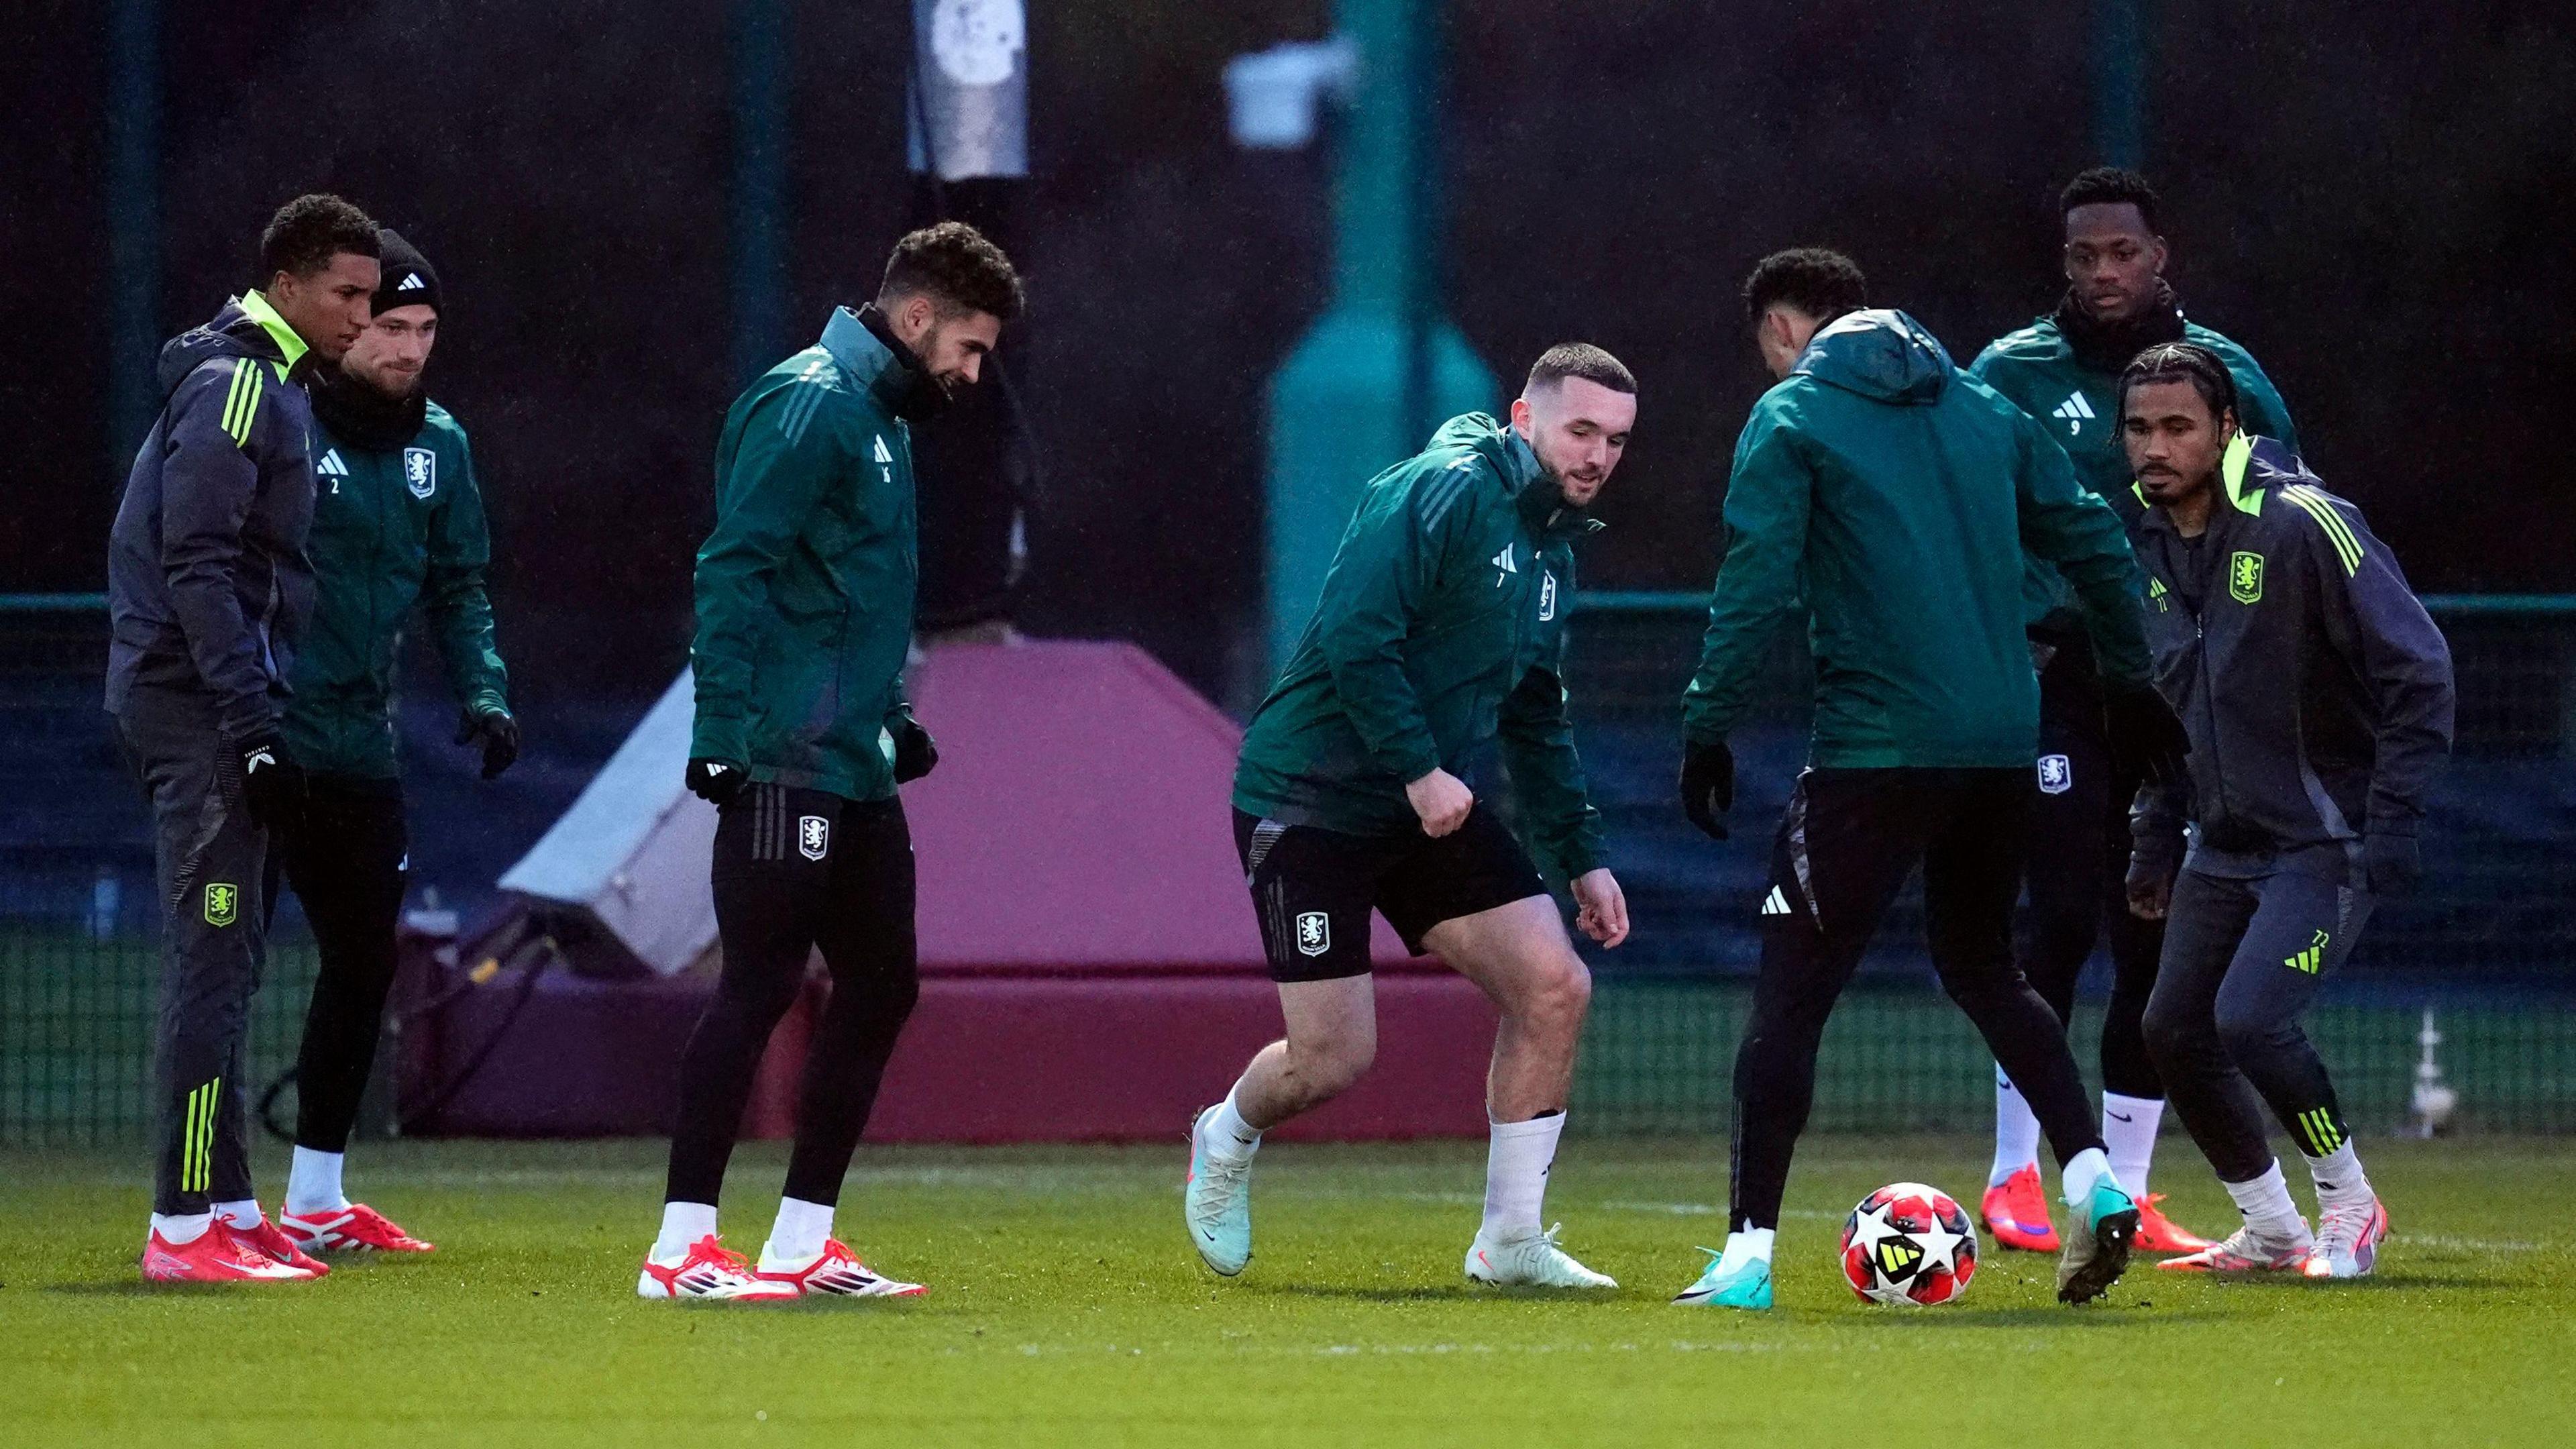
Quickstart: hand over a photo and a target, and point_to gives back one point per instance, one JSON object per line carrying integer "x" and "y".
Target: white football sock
{"x": 243, "y": 1214}
{"x": 683, "y": 1223}
{"x": 1752, "y": 1245}
{"x": 1517, "y": 1158}
{"x": 799, "y": 1232}
{"x": 313, "y": 1183}
{"x": 1228, "y": 1135}
{"x": 2129, "y": 1133}
{"x": 182, "y": 1229}
{"x": 2338, "y": 1176}
{"x": 2082, "y": 1170}
{"x": 2265, "y": 1202}
{"x": 2016, "y": 1132}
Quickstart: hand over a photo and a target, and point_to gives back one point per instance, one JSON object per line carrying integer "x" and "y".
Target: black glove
{"x": 498, "y": 732}
{"x": 716, "y": 781}
{"x": 1708, "y": 785}
{"x": 2147, "y": 742}
{"x": 272, "y": 784}
{"x": 915, "y": 753}
{"x": 2391, "y": 862}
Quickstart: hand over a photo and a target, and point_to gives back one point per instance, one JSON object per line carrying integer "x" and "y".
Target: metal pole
{"x": 1383, "y": 364}
{"x": 134, "y": 224}
{"x": 760, "y": 140}
{"x": 2120, "y": 82}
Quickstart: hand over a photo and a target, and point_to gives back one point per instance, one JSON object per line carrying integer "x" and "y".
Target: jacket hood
{"x": 1882, "y": 355}
{"x": 234, "y": 332}
{"x": 1494, "y": 439}
{"x": 1533, "y": 492}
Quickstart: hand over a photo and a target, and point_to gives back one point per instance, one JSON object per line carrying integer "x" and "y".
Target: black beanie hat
{"x": 407, "y": 280}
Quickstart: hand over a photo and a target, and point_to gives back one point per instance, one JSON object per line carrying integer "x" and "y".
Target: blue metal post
{"x": 134, "y": 224}
{"x": 1366, "y": 383}
{"x": 760, "y": 140}
{"x": 2120, "y": 82}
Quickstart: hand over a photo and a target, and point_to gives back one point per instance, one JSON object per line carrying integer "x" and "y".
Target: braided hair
{"x": 2182, "y": 362}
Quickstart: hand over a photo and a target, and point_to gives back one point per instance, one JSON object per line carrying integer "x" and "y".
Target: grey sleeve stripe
{"x": 1445, "y": 493}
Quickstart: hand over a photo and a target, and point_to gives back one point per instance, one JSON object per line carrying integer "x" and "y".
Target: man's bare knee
{"x": 1327, "y": 1064}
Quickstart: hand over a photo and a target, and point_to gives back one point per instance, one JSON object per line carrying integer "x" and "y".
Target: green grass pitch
{"x": 1067, "y": 1308}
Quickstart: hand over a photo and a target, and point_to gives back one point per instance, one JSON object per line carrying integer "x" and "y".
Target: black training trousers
{"x": 2243, "y": 958}
{"x": 2078, "y": 872}
{"x": 348, "y": 862}
{"x": 1846, "y": 844}
{"x": 796, "y": 870}
{"x": 208, "y": 858}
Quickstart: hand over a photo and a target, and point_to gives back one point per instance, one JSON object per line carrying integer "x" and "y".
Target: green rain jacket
{"x": 805, "y": 588}
{"x": 2079, "y": 406}
{"x": 392, "y": 527}
{"x": 1898, "y": 494}
{"x": 1441, "y": 630}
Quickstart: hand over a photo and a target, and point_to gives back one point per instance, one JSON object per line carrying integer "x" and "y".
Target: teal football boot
{"x": 1749, "y": 1286}
{"x": 2097, "y": 1243}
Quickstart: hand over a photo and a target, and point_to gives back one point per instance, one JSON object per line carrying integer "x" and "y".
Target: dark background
{"x": 2366, "y": 195}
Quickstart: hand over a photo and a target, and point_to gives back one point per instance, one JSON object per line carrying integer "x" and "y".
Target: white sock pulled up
{"x": 313, "y": 1183}
{"x": 683, "y": 1223}
{"x": 2016, "y": 1132}
{"x": 243, "y": 1214}
{"x": 182, "y": 1228}
{"x": 2085, "y": 1168}
{"x": 2129, "y": 1135}
{"x": 1517, "y": 1158}
{"x": 1228, "y": 1135}
{"x": 2338, "y": 1176}
{"x": 2265, "y": 1202}
{"x": 798, "y": 1234}
{"x": 1746, "y": 1245}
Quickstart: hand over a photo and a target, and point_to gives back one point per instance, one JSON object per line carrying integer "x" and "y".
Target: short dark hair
{"x": 2110, "y": 186}
{"x": 1583, "y": 360}
{"x": 2182, "y": 362}
{"x": 1818, "y": 281}
{"x": 309, "y": 231}
{"x": 955, "y": 267}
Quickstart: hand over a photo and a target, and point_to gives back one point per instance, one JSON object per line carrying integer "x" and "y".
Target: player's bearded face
{"x": 1578, "y": 429}
{"x": 390, "y": 354}
{"x": 2174, "y": 445}
{"x": 952, "y": 349}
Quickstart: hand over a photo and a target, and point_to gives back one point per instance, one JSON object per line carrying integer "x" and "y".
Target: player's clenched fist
{"x": 1601, "y": 908}
{"x": 1442, "y": 800}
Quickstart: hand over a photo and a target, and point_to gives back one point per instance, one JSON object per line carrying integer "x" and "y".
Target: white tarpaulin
{"x": 633, "y": 851}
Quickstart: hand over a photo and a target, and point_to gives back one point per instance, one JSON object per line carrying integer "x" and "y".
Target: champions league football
{"x": 1910, "y": 1245}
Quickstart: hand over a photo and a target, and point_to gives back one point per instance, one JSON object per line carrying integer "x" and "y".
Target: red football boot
{"x": 271, "y": 1244}
{"x": 2016, "y": 1212}
{"x": 2160, "y": 1234}
{"x": 837, "y": 1270}
{"x": 216, "y": 1255}
{"x": 356, "y": 1228}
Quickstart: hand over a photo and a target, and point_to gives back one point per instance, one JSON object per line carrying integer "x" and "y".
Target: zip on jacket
{"x": 2316, "y": 690}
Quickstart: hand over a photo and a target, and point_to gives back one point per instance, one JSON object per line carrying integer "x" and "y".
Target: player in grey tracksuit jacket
{"x": 2318, "y": 696}
{"x": 208, "y": 588}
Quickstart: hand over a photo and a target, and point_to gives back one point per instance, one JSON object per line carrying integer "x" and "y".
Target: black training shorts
{"x": 1312, "y": 888}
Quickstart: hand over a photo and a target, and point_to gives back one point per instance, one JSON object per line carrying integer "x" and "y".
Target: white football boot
{"x": 1532, "y": 1260}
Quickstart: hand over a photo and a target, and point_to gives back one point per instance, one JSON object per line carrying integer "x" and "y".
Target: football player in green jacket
{"x": 1889, "y": 497}
{"x": 1441, "y": 632}
{"x": 805, "y": 595}
{"x": 2063, "y": 369}
{"x": 397, "y": 523}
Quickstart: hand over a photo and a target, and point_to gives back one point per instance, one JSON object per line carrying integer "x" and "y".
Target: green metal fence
{"x": 2490, "y": 950}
